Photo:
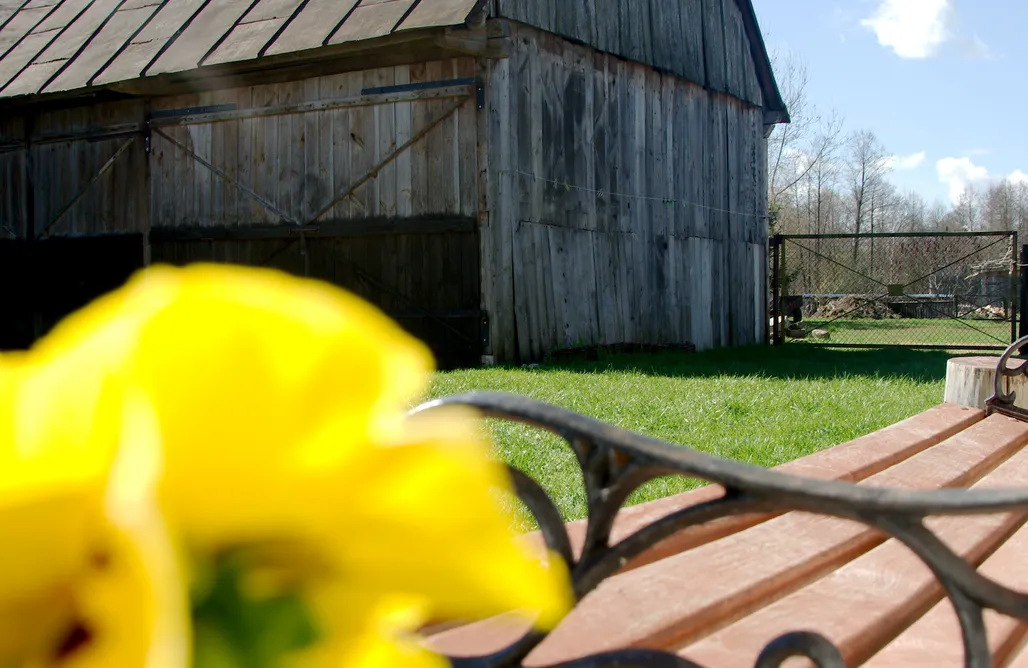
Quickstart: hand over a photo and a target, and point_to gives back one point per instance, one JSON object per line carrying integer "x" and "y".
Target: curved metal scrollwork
{"x": 616, "y": 462}
{"x": 1003, "y": 401}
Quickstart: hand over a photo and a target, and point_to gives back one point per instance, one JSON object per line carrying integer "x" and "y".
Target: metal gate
{"x": 930, "y": 290}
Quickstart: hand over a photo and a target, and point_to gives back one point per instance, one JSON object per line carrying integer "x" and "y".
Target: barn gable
{"x": 714, "y": 43}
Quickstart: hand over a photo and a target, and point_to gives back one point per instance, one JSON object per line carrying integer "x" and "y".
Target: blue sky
{"x": 945, "y": 78}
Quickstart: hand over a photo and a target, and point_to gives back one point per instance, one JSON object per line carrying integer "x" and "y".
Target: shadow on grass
{"x": 786, "y": 362}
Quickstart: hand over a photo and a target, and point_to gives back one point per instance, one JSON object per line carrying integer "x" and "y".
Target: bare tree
{"x": 913, "y": 213}
{"x": 1000, "y": 203}
{"x": 799, "y": 147}
{"x": 866, "y": 169}
{"x": 968, "y": 211}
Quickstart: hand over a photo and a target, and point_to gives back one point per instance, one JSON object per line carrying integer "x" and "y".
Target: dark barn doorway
{"x": 44, "y": 281}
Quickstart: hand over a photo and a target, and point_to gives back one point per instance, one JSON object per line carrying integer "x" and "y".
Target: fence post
{"x": 776, "y": 297}
{"x": 1022, "y": 291}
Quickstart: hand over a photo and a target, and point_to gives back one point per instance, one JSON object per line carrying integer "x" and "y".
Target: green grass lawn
{"x": 760, "y": 405}
{"x": 909, "y": 331}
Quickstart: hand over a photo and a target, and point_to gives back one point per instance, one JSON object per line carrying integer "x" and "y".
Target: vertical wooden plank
{"x": 626, "y": 215}
{"x": 662, "y": 43}
{"x": 714, "y": 43}
{"x": 342, "y": 128}
{"x": 218, "y": 185}
{"x": 234, "y": 140}
{"x": 704, "y": 277}
{"x": 439, "y": 143}
{"x": 470, "y": 290}
{"x": 642, "y": 221}
{"x": 312, "y": 175}
{"x": 244, "y": 159}
{"x": 733, "y": 168}
{"x": 608, "y": 24}
{"x": 734, "y": 66}
{"x": 467, "y": 163}
{"x": 615, "y": 320}
{"x": 499, "y": 279}
{"x": 402, "y": 121}
{"x": 293, "y": 186}
{"x": 690, "y": 57}
{"x": 201, "y": 136}
{"x": 559, "y": 243}
{"x": 421, "y": 115}
{"x": 385, "y": 134}
{"x": 636, "y": 31}
{"x": 673, "y": 310}
{"x": 266, "y": 156}
{"x": 449, "y": 130}
{"x": 526, "y": 309}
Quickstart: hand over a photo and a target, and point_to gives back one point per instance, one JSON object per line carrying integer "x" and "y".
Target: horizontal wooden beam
{"x": 331, "y": 230}
{"x": 442, "y": 315}
{"x": 370, "y": 100}
{"x": 91, "y": 134}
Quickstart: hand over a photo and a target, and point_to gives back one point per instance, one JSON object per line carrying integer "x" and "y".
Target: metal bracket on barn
{"x": 615, "y": 463}
{"x": 419, "y": 85}
{"x": 186, "y": 112}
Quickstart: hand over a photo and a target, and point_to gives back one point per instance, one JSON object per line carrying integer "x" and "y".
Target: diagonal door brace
{"x": 371, "y": 174}
{"x": 85, "y": 189}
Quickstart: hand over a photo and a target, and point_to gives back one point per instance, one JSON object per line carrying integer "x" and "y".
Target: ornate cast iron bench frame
{"x": 616, "y": 462}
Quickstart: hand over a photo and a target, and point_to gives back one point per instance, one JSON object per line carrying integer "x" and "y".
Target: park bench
{"x": 905, "y": 547}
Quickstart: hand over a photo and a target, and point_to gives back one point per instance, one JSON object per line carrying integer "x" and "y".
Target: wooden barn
{"x": 504, "y": 177}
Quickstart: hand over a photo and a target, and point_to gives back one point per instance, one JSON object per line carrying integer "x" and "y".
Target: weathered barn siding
{"x": 625, "y": 205}
{"x": 298, "y": 162}
{"x": 60, "y": 167}
{"x": 405, "y": 239}
{"x": 301, "y": 162}
{"x": 428, "y": 281}
{"x": 703, "y": 41}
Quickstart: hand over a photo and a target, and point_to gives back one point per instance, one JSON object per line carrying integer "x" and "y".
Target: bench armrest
{"x": 1002, "y": 400}
{"x": 616, "y": 462}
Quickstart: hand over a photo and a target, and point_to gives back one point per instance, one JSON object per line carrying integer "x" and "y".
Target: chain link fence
{"x": 942, "y": 290}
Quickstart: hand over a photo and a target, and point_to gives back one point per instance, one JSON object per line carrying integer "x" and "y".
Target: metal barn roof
{"x": 49, "y": 46}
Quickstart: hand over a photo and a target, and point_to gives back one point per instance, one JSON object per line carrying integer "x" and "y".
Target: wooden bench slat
{"x": 1020, "y": 659}
{"x": 678, "y": 598}
{"x": 865, "y": 604}
{"x": 852, "y": 461}
{"x": 935, "y": 639}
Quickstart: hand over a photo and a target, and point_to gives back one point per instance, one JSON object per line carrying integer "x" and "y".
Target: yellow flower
{"x": 87, "y": 574}
{"x": 276, "y": 405}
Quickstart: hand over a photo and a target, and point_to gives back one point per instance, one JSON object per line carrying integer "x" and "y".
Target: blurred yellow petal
{"x": 133, "y": 600}
{"x": 86, "y": 579}
{"x": 50, "y": 497}
{"x": 420, "y": 516}
{"x": 271, "y": 411}
{"x": 366, "y": 629}
{"x": 244, "y": 366}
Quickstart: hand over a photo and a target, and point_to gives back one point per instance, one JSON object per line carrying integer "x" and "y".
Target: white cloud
{"x": 1018, "y": 177}
{"x": 906, "y": 162}
{"x": 958, "y": 174}
{"x": 975, "y": 48}
{"x": 912, "y": 28}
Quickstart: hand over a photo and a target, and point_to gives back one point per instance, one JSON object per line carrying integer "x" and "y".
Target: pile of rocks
{"x": 854, "y": 307}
